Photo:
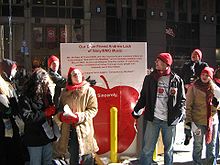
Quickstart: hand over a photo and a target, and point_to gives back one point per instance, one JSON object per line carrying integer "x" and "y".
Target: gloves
{"x": 69, "y": 119}
{"x": 92, "y": 82}
{"x": 215, "y": 102}
{"x": 135, "y": 116}
{"x": 188, "y": 135}
{"x": 50, "y": 111}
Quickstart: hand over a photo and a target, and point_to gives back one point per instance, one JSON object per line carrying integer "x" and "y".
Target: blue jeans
{"x": 210, "y": 148}
{"x": 150, "y": 140}
{"x": 41, "y": 155}
{"x": 217, "y": 142}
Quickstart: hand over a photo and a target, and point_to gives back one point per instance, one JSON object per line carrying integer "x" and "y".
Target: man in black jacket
{"x": 58, "y": 80}
{"x": 192, "y": 70}
{"x": 163, "y": 98}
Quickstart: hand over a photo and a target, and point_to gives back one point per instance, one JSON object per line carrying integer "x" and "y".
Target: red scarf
{"x": 160, "y": 73}
{"x": 217, "y": 80}
{"x": 206, "y": 87}
{"x": 74, "y": 87}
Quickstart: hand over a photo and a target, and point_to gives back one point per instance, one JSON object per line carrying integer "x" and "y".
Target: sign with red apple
{"x": 124, "y": 99}
{"x": 124, "y": 65}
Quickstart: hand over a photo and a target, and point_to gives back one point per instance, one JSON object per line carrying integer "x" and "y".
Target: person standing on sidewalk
{"x": 163, "y": 97}
{"x": 202, "y": 117}
{"x": 191, "y": 70}
{"x": 79, "y": 106}
{"x": 37, "y": 109}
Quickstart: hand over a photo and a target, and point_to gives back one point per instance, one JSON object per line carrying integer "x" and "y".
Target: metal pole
{"x": 10, "y": 30}
{"x": 114, "y": 134}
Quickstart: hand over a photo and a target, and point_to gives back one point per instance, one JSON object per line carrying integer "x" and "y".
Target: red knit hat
{"x": 166, "y": 58}
{"x": 198, "y": 52}
{"x": 209, "y": 71}
{"x": 72, "y": 69}
{"x": 51, "y": 59}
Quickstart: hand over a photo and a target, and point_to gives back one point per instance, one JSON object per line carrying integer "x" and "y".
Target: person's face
{"x": 76, "y": 76}
{"x": 160, "y": 65}
{"x": 195, "y": 57}
{"x": 54, "y": 66}
{"x": 205, "y": 78}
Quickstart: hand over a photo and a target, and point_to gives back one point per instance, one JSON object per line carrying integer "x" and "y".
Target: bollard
{"x": 113, "y": 134}
{"x": 155, "y": 153}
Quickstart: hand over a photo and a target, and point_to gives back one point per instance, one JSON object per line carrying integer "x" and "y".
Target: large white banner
{"x": 119, "y": 69}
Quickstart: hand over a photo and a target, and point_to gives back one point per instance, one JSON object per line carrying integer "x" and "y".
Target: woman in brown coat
{"x": 79, "y": 106}
{"x": 201, "y": 116}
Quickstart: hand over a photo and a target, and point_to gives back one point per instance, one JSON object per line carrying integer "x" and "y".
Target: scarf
{"x": 208, "y": 90}
{"x": 74, "y": 87}
{"x": 160, "y": 73}
{"x": 217, "y": 80}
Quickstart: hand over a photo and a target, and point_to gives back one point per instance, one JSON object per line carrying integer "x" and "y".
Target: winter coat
{"x": 190, "y": 72}
{"x": 196, "y": 109}
{"x": 59, "y": 83}
{"x": 32, "y": 111}
{"x": 8, "y": 109}
{"x": 176, "y": 101}
{"x": 84, "y": 102}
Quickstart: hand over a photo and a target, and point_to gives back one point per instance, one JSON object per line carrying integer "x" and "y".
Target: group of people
{"x": 192, "y": 97}
{"x": 51, "y": 117}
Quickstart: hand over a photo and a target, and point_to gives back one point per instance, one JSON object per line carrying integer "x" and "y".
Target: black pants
{"x": 74, "y": 151}
{"x": 12, "y": 151}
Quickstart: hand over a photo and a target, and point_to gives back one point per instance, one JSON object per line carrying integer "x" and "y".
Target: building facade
{"x": 31, "y": 30}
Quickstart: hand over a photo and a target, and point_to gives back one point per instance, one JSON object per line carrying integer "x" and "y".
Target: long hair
{"x": 38, "y": 84}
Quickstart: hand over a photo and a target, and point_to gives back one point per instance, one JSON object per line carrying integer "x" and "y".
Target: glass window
{"x": 195, "y": 6}
{"x": 141, "y": 13}
{"x": 182, "y": 5}
{"x": 77, "y": 13}
{"x": 64, "y": 12}
{"x": 62, "y": 2}
{"x": 111, "y": 11}
{"x": 140, "y": 3}
{"x": 126, "y": 2}
{"x": 169, "y": 4}
{"x": 18, "y": 11}
{"x": 37, "y": 12}
{"x": 51, "y": 12}
{"x": 5, "y": 10}
{"x": 77, "y": 3}
{"x": 37, "y": 37}
{"x": 110, "y": 1}
{"x": 51, "y": 2}
{"x": 38, "y": 2}
{"x": 17, "y": 2}
{"x": 6, "y": 1}
{"x": 217, "y": 6}
{"x": 113, "y": 30}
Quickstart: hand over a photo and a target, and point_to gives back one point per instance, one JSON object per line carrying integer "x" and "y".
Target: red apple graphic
{"x": 124, "y": 99}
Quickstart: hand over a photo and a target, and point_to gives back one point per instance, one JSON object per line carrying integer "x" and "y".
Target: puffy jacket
{"x": 176, "y": 102}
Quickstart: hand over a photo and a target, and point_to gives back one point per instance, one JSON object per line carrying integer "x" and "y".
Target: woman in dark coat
{"x": 11, "y": 149}
{"x": 37, "y": 111}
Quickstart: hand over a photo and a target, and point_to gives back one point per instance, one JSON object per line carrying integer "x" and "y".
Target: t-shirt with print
{"x": 161, "y": 107}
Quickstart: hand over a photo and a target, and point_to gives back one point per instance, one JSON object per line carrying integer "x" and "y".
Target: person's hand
{"x": 187, "y": 131}
{"x": 92, "y": 82}
{"x": 215, "y": 102}
{"x": 69, "y": 119}
{"x": 50, "y": 111}
{"x": 134, "y": 115}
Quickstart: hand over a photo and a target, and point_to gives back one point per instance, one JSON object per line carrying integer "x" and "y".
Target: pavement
{"x": 182, "y": 153}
